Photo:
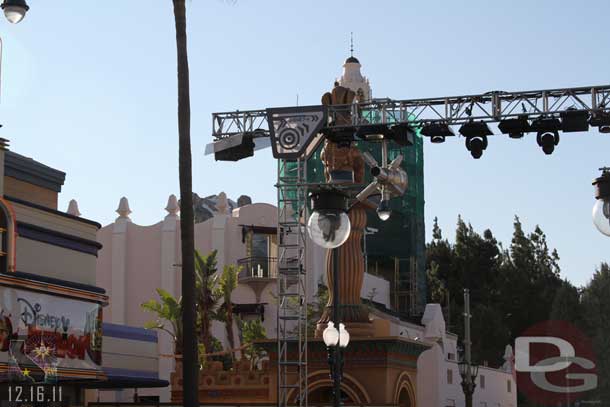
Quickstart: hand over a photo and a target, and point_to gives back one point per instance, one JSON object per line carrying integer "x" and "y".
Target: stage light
{"x": 234, "y": 148}
{"x": 437, "y": 132}
{"x": 340, "y": 135}
{"x": 402, "y": 134}
{"x": 476, "y": 145}
{"x": 515, "y": 128}
{"x": 573, "y": 120}
{"x": 601, "y": 120}
{"x": 474, "y": 129}
{"x": 548, "y": 133}
{"x": 372, "y": 131}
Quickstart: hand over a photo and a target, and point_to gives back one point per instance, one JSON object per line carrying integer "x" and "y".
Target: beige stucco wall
{"x": 53, "y": 261}
{"x": 30, "y": 192}
{"x": 54, "y": 222}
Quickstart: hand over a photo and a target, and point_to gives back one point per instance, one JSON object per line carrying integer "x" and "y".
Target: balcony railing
{"x": 258, "y": 267}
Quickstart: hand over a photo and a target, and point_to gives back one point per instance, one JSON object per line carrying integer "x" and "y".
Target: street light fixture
{"x": 329, "y": 225}
{"x": 601, "y": 209}
{"x": 14, "y": 10}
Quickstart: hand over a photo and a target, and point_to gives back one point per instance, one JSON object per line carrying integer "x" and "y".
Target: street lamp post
{"x": 329, "y": 227}
{"x": 336, "y": 339}
{"x": 601, "y": 209}
{"x": 468, "y": 371}
{"x": 14, "y": 10}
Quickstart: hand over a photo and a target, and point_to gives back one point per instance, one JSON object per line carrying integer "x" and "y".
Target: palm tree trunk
{"x": 229, "y": 325}
{"x": 189, "y": 343}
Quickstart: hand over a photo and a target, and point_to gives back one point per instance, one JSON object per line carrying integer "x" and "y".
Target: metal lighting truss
{"x": 488, "y": 107}
{"x": 291, "y": 283}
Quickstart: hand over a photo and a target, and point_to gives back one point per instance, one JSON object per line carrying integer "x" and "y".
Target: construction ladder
{"x": 291, "y": 283}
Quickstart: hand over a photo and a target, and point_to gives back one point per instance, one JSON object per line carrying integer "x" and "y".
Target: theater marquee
{"x": 48, "y": 336}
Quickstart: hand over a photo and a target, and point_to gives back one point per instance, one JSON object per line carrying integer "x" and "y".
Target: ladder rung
{"x": 290, "y": 317}
{"x": 292, "y": 363}
{"x": 289, "y": 386}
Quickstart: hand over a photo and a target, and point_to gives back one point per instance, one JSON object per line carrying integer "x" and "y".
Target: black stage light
{"x": 341, "y": 135}
{"x": 475, "y": 129}
{"x": 476, "y": 137}
{"x": 402, "y": 134}
{"x": 548, "y": 133}
{"x": 547, "y": 140}
{"x": 515, "y": 128}
{"x": 373, "y": 131}
{"x": 574, "y": 120}
{"x": 476, "y": 145}
{"x": 234, "y": 148}
{"x": 437, "y": 132}
{"x": 601, "y": 120}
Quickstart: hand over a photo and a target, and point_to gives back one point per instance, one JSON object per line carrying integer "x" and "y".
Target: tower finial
{"x": 351, "y": 44}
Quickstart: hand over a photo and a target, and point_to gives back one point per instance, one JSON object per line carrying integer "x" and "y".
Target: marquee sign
{"x": 47, "y": 334}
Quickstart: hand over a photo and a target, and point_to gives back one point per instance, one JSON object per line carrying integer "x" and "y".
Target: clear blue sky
{"x": 91, "y": 90}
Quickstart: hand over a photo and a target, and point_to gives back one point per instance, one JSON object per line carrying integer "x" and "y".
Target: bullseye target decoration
{"x": 293, "y": 129}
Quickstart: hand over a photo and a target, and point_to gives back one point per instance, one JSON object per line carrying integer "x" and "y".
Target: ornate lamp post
{"x": 601, "y": 209}
{"x": 468, "y": 371}
{"x": 329, "y": 227}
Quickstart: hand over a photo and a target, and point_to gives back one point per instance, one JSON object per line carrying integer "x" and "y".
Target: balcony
{"x": 257, "y": 272}
{"x": 257, "y": 268}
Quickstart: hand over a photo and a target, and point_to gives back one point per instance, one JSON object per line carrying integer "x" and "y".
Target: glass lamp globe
{"x": 14, "y": 10}
{"x": 601, "y": 216}
{"x": 330, "y": 335}
{"x": 383, "y": 210}
{"x": 343, "y": 336}
{"x": 329, "y": 228}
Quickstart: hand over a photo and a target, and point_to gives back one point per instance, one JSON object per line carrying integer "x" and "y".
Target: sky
{"x": 91, "y": 90}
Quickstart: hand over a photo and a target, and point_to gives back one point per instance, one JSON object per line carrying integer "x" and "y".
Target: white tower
{"x": 352, "y": 78}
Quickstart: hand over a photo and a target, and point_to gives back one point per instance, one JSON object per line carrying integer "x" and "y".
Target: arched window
{"x": 7, "y": 240}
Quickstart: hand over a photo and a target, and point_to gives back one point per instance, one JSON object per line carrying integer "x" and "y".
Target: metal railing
{"x": 257, "y": 267}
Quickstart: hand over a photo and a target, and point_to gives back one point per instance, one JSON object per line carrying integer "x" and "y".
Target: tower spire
{"x": 351, "y": 44}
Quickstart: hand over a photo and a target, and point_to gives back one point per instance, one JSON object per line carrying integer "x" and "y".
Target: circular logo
{"x": 554, "y": 363}
{"x": 289, "y": 138}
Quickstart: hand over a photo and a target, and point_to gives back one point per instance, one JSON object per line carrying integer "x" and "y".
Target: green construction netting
{"x": 397, "y": 249}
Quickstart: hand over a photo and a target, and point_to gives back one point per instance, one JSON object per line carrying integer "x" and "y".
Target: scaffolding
{"x": 292, "y": 283}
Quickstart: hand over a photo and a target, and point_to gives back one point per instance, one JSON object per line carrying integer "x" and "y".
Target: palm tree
{"x": 169, "y": 310}
{"x": 226, "y": 285}
{"x": 190, "y": 368}
{"x": 207, "y": 295}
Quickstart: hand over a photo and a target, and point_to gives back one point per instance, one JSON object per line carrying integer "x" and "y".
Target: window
{"x": 482, "y": 381}
{"x": 449, "y": 376}
{"x": 450, "y": 403}
{"x": 261, "y": 253}
{"x": 509, "y": 386}
{"x": 451, "y": 356}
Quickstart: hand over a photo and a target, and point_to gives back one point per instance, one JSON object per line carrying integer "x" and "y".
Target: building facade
{"x": 136, "y": 260}
{"x": 51, "y": 311}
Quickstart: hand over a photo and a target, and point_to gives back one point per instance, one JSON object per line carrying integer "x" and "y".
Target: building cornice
{"x": 31, "y": 171}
